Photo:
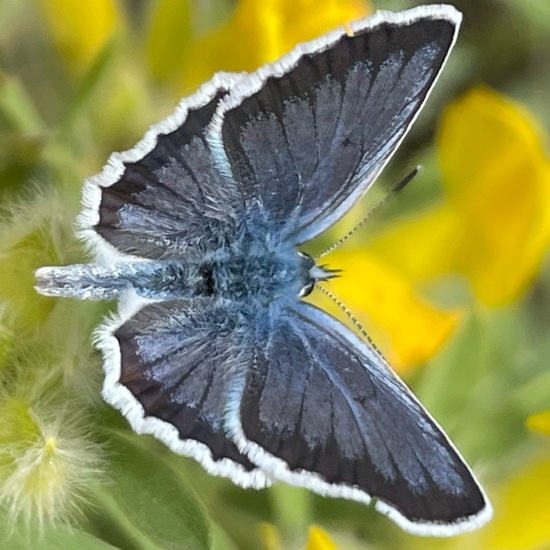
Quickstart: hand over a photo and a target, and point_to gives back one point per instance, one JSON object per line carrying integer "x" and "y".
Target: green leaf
{"x": 50, "y": 537}
{"x": 447, "y": 385}
{"x": 169, "y": 36}
{"x": 453, "y": 387}
{"x": 145, "y": 506}
{"x": 17, "y": 111}
{"x": 221, "y": 540}
{"x": 291, "y": 508}
{"x": 534, "y": 395}
{"x": 86, "y": 89}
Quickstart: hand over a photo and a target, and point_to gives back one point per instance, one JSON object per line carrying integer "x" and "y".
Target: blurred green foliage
{"x": 79, "y": 80}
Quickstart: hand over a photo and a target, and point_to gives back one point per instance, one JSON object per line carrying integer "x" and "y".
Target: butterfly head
{"x": 312, "y": 273}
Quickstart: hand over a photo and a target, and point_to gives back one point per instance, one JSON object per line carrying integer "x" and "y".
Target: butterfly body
{"x": 248, "y": 270}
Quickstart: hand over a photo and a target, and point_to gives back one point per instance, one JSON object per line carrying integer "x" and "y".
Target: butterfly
{"x": 196, "y": 232}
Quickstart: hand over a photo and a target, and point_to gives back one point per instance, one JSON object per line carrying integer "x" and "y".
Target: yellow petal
{"x": 407, "y": 328}
{"x": 271, "y": 540}
{"x": 168, "y": 38}
{"x": 540, "y": 422}
{"x": 422, "y": 246}
{"x": 498, "y": 181}
{"x": 259, "y": 32}
{"x": 522, "y": 512}
{"x": 494, "y": 227}
{"x": 80, "y": 29}
{"x": 319, "y": 540}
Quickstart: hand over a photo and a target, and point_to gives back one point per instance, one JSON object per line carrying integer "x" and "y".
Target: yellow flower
{"x": 540, "y": 422}
{"x": 494, "y": 227}
{"x": 261, "y": 31}
{"x": 408, "y": 329}
{"x": 80, "y": 29}
{"x": 319, "y": 540}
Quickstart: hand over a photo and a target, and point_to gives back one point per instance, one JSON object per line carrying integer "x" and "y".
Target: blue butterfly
{"x": 195, "y": 231}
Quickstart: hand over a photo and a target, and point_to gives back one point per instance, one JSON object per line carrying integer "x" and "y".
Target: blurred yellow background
{"x": 451, "y": 277}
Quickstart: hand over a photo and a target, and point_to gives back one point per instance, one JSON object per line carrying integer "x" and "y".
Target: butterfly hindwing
{"x": 321, "y": 409}
{"x": 168, "y": 368}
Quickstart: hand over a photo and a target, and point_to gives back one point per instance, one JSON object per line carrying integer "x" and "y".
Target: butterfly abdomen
{"x": 156, "y": 280}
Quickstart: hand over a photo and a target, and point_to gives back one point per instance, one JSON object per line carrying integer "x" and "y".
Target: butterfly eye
{"x": 306, "y": 290}
{"x": 307, "y": 260}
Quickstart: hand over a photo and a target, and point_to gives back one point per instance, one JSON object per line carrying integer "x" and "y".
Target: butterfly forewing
{"x": 306, "y": 136}
{"x": 166, "y": 194}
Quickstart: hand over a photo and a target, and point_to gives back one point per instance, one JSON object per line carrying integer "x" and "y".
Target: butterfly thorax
{"x": 260, "y": 275}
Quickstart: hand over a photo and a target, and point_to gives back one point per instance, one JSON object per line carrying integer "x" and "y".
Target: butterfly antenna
{"x": 390, "y": 193}
{"x": 351, "y": 317}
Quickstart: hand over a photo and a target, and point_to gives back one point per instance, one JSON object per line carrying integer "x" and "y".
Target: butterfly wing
{"x": 288, "y": 148}
{"x": 165, "y": 194}
{"x": 321, "y": 409}
{"x": 167, "y": 369}
{"x": 306, "y": 136}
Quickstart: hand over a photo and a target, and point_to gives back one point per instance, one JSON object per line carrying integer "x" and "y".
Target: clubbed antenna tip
{"x": 394, "y": 189}
{"x": 406, "y": 180}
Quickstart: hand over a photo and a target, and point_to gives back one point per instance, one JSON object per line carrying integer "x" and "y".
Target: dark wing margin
{"x": 165, "y": 194}
{"x": 167, "y": 367}
{"x": 320, "y": 409}
{"x": 306, "y": 136}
